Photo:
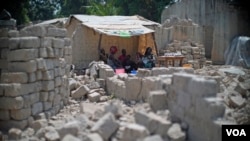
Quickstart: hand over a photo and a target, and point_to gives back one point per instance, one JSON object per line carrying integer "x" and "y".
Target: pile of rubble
{"x": 194, "y": 53}
{"x": 92, "y": 115}
{"x": 113, "y": 120}
{"x": 234, "y": 89}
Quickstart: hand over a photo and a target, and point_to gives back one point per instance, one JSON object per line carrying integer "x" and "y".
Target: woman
{"x": 112, "y": 62}
{"x": 148, "y": 58}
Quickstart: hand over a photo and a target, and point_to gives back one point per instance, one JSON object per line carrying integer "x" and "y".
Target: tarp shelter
{"x": 238, "y": 54}
{"x": 89, "y": 33}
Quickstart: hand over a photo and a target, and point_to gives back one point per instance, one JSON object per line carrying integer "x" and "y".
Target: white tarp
{"x": 238, "y": 54}
{"x": 122, "y": 26}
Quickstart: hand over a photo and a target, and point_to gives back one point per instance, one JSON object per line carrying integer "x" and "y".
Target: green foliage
{"x": 42, "y": 9}
{"x": 96, "y": 8}
{"x": 17, "y": 9}
{"x": 69, "y": 7}
{"x": 150, "y": 9}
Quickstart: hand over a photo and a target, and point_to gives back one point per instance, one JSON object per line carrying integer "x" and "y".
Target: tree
{"x": 17, "y": 9}
{"x": 42, "y": 9}
{"x": 102, "y": 8}
{"x": 150, "y": 9}
{"x": 69, "y": 7}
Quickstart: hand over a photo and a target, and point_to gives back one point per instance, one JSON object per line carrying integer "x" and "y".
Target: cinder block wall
{"x": 34, "y": 66}
{"x": 191, "y": 99}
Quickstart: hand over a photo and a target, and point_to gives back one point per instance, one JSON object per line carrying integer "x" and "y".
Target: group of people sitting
{"x": 124, "y": 60}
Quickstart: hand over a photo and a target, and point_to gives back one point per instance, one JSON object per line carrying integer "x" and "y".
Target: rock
{"x": 94, "y": 97}
{"x": 175, "y": 133}
{"x": 80, "y": 92}
{"x": 153, "y": 138}
{"x": 158, "y": 100}
{"x": 114, "y": 107}
{"x": 38, "y": 124}
{"x": 94, "y": 137}
{"x": 15, "y": 134}
{"x": 71, "y": 127}
{"x": 236, "y": 101}
{"x": 105, "y": 126}
{"x": 70, "y": 137}
{"x": 154, "y": 123}
{"x": 72, "y": 84}
{"x": 51, "y": 134}
{"x": 134, "y": 132}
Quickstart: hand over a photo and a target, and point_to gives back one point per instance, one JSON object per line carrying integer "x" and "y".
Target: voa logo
{"x": 236, "y": 132}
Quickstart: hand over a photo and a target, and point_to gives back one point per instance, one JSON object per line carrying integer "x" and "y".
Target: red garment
{"x": 122, "y": 58}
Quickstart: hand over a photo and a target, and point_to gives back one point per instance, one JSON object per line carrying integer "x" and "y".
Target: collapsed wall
{"x": 34, "y": 68}
{"x": 191, "y": 99}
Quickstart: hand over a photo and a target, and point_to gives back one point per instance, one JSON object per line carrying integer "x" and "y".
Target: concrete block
{"x": 37, "y": 108}
{"x": 57, "y": 99}
{"x": 57, "y": 32}
{"x": 14, "y": 43}
{"x": 4, "y": 64}
{"x": 67, "y": 42}
{"x": 133, "y": 85}
{"x": 32, "y": 77}
{"x": 143, "y": 72}
{"x": 159, "y": 71}
{"x": 149, "y": 84}
{"x": 70, "y": 137}
{"x": 211, "y": 108}
{"x": 4, "y": 53}
{"x": 153, "y": 138}
{"x": 58, "y": 81}
{"x": 14, "y": 77}
{"x": 57, "y": 43}
{"x": 4, "y": 42}
{"x": 71, "y": 127}
{"x": 44, "y": 96}
{"x": 154, "y": 123}
{"x": 4, "y": 115}
{"x": 34, "y": 30}
{"x": 236, "y": 101}
{"x": 201, "y": 87}
{"x": 51, "y": 134}
{"x": 8, "y": 103}
{"x": 20, "y": 114}
{"x": 106, "y": 122}
{"x": 46, "y": 42}
{"x": 39, "y": 75}
{"x": 51, "y": 96}
{"x": 49, "y": 64}
{"x": 29, "y": 42}
{"x": 47, "y": 106}
{"x": 13, "y": 33}
{"x": 48, "y": 75}
{"x": 43, "y": 52}
{"x": 14, "y": 134}
{"x": 29, "y": 66}
{"x": 79, "y": 92}
{"x": 47, "y": 85}
{"x": 158, "y": 100}
{"x": 50, "y": 52}
{"x": 94, "y": 97}
{"x": 134, "y": 132}
{"x": 94, "y": 137}
{"x": 175, "y": 133}
{"x": 6, "y": 125}
{"x": 23, "y": 54}
{"x": 4, "y": 32}
{"x": 180, "y": 81}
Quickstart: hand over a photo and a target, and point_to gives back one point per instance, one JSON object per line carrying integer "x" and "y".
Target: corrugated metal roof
{"x": 116, "y": 25}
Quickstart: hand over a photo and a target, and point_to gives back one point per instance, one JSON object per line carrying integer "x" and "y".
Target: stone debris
{"x": 41, "y": 100}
